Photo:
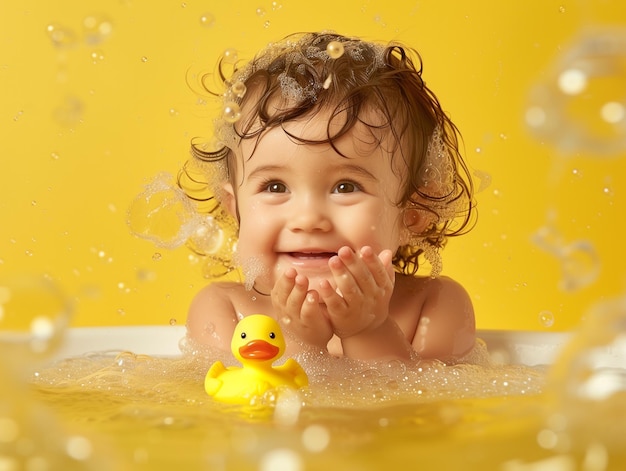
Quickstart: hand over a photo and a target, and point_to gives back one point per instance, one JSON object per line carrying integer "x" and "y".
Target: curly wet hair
{"x": 345, "y": 78}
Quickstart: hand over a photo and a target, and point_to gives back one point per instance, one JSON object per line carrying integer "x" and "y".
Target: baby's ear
{"x": 228, "y": 198}
{"x": 416, "y": 220}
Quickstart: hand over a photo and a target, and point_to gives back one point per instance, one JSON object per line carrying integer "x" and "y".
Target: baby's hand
{"x": 364, "y": 287}
{"x": 299, "y": 311}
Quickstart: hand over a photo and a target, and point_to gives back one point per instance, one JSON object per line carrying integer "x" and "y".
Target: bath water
{"x": 142, "y": 412}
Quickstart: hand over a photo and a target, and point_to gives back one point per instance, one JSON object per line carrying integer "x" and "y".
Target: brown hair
{"x": 308, "y": 73}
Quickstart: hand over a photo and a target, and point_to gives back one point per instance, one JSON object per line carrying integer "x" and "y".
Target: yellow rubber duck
{"x": 257, "y": 343}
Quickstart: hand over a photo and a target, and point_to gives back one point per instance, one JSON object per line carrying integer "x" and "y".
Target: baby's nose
{"x": 310, "y": 215}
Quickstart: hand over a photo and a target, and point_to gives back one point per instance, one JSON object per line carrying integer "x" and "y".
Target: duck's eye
{"x": 243, "y": 335}
{"x": 272, "y": 335}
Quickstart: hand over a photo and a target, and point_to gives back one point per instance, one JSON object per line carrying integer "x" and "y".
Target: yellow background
{"x": 84, "y": 126}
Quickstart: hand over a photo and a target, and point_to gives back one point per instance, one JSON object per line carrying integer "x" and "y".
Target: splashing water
{"x": 162, "y": 213}
{"x": 580, "y": 263}
{"x": 588, "y": 385}
{"x": 580, "y": 106}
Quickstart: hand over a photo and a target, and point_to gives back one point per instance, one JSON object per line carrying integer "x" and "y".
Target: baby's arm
{"x": 212, "y": 318}
{"x": 446, "y": 327}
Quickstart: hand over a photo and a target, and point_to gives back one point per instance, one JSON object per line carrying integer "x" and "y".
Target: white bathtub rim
{"x": 516, "y": 347}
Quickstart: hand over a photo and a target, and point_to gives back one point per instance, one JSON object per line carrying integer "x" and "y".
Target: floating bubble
{"x": 613, "y": 112}
{"x": 97, "y": 56}
{"x": 231, "y": 112}
{"x": 546, "y": 318}
{"x": 281, "y": 459}
{"x": 61, "y": 36}
{"x": 315, "y": 438}
{"x": 572, "y": 81}
{"x": 239, "y": 89}
{"x": 580, "y": 105}
{"x": 335, "y": 49}
{"x": 96, "y": 29}
{"x": 207, "y": 20}
{"x": 33, "y": 315}
{"x": 230, "y": 56}
{"x": 70, "y": 112}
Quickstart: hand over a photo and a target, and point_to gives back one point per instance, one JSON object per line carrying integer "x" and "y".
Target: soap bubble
{"x": 335, "y": 49}
{"x": 588, "y": 379}
{"x": 230, "y": 56}
{"x": 238, "y": 89}
{"x": 33, "y": 316}
{"x": 207, "y": 20}
{"x": 546, "y": 318}
{"x": 232, "y": 112}
{"x": 581, "y": 105}
{"x": 207, "y": 237}
{"x": 61, "y": 36}
{"x": 96, "y": 29}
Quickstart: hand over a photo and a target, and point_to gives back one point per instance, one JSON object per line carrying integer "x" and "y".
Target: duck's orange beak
{"x": 258, "y": 350}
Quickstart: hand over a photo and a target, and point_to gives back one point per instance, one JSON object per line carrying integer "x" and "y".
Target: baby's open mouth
{"x": 312, "y": 255}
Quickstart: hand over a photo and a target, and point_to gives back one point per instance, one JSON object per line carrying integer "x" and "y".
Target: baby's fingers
{"x": 379, "y": 266}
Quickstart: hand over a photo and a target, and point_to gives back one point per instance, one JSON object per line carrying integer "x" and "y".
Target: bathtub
{"x": 516, "y": 347}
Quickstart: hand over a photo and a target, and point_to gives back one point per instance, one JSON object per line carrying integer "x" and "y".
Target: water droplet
{"x": 144, "y": 59}
{"x": 54, "y": 156}
{"x": 535, "y": 116}
{"x": 156, "y": 256}
{"x": 546, "y": 318}
{"x": 335, "y": 49}
{"x": 572, "y": 81}
{"x": 230, "y": 56}
{"x": 173, "y": 321}
{"x": 207, "y": 20}
{"x": 478, "y": 150}
{"x": 60, "y": 36}
{"x": 173, "y": 112}
{"x": 267, "y": 24}
{"x": 232, "y": 112}
{"x": 239, "y": 89}
{"x": 260, "y": 12}
{"x": 485, "y": 180}
{"x": 18, "y": 115}
{"x": 578, "y": 103}
{"x": 79, "y": 448}
{"x": 613, "y": 112}
{"x": 315, "y": 438}
{"x": 97, "y": 56}
{"x": 33, "y": 203}
{"x": 561, "y": 9}
{"x": 96, "y": 29}
{"x": 276, "y": 5}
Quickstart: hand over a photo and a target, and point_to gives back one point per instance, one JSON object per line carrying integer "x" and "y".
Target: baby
{"x": 343, "y": 175}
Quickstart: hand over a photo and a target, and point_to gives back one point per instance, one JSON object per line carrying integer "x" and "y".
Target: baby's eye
{"x": 276, "y": 187}
{"x": 346, "y": 187}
